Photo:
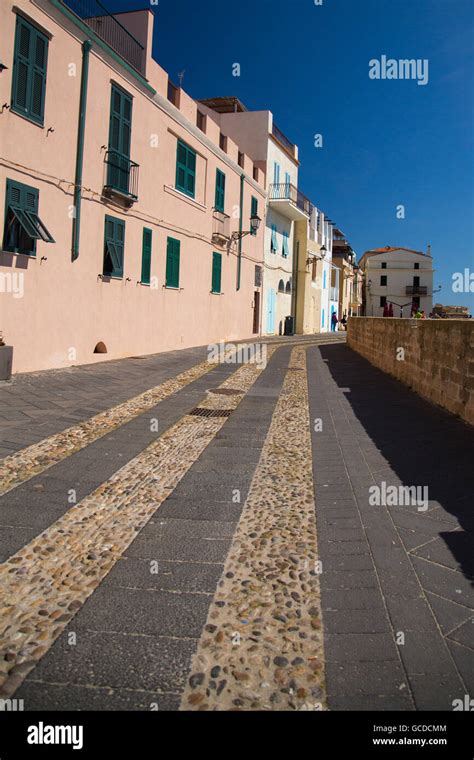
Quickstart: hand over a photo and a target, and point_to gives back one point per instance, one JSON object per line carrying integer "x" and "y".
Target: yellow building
{"x": 312, "y": 246}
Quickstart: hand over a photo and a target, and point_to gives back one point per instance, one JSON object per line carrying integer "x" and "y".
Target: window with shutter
{"x": 185, "y": 169}
{"x": 29, "y": 71}
{"x": 254, "y": 211}
{"x": 23, "y": 226}
{"x": 220, "y": 191}
{"x": 146, "y": 256}
{"x": 274, "y": 243}
{"x": 120, "y": 129}
{"x": 172, "y": 263}
{"x": 114, "y": 242}
{"x": 285, "y": 248}
{"x": 216, "y": 272}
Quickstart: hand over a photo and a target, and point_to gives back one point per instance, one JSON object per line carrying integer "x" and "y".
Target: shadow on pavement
{"x": 422, "y": 443}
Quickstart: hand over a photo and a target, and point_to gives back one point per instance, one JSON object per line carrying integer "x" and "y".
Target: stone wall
{"x": 433, "y": 357}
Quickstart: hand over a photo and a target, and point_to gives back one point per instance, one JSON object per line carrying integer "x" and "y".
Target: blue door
{"x": 271, "y": 311}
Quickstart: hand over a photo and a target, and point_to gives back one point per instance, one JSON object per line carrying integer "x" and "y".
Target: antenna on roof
{"x": 181, "y": 77}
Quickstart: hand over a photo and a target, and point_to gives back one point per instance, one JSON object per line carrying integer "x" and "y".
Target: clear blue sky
{"x": 385, "y": 142}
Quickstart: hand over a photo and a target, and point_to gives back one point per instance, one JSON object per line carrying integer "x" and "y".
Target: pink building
{"x": 121, "y": 197}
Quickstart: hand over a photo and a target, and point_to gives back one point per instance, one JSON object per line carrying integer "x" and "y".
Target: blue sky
{"x": 385, "y": 143}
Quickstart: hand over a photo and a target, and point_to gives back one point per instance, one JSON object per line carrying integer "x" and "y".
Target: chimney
{"x": 428, "y": 252}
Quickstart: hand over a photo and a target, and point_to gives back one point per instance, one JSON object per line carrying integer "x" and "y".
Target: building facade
{"x": 126, "y": 211}
{"x": 400, "y": 277}
{"x": 277, "y": 157}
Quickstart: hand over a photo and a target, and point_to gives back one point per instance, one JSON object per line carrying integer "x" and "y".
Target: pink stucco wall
{"x": 66, "y": 308}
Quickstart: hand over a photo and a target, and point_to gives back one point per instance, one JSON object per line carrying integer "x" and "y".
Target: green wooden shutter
{"x": 120, "y": 128}
{"x": 146, "y": 256}
{"x": 220, "y": 191}
{"x": 172, "y": 263}
{"x": 185, "y": 169}
{"x": 29, "y": 71}
{"x": 114, "y": 243}
{"x": 19, "y": 200}
{"x": 216, "y": 272}
{"x": 254, "y": 210}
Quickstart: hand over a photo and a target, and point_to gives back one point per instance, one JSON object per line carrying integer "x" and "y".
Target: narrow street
{"x": 180, "y": 535}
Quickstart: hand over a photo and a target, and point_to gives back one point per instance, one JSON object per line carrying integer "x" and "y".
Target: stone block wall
{"x": 433, "y": 357}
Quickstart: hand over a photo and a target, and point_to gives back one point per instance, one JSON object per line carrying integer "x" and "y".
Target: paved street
{"x": 181, "y": 535}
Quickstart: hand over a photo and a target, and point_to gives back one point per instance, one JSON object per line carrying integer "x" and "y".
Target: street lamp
{"x": 254, "y": 227}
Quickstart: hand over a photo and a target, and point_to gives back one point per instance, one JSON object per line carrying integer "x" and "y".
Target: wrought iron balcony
{"x": 121, "y": 176}
{"x": 416, "y": 290}
{"x": 109, "y": 28}
{"x": 290, "y": 201}
{"x": 282, "y": 138}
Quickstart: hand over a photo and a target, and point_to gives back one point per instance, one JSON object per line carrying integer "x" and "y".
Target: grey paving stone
{"x": 449, "y": 615}
{"x": 371, "y": 704}
{"x": 185, "y": 549}
{"x": 13, "y": 538}
{"x": 444, "y": 582}
{"x": 200, "y": 509}
{"x": 44, "y": 696}
{"x": 153, "y": 613}
{"x": 464, "y": 660}
{"x": 355, "y": 621}
{"x": 365, "y": 679}
{"x": 349, "y": 578}
{"x": 408, "y": 614}
{"x": 436, "y": 692}
{"x": 464, "y": 634}
{"x": 191, "y": 577}
{"x": 359, "y": 647}
{"x": 346, "y": 562}
{"x": 350, "y": 599}
{"x": 110, "y": 660}
{"x": 425, "y": 652}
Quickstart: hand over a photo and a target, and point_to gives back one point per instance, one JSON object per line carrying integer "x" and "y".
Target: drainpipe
{"x": 76, "y": 222}
{"x": 241, "y": 221}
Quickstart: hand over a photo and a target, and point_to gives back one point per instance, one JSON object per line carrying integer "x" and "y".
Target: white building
{"x": 274, "y": 154}
{"x": 397, "y": 276}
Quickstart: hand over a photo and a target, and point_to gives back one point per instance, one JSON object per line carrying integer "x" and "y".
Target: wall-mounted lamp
{"x": 254, "y": 227}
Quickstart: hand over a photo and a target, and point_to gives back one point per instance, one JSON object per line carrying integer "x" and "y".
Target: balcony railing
{"x": 284, "y": 191}
{"x": 106, "y": 26}
{"x": 416, "y": 290}
{"x": 121, "y": 175}
{"x": 282, "y": 138}
{"x": 220, "y": 225}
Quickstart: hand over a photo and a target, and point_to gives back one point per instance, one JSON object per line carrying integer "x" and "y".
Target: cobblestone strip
{"x": 33, "y": 460}
{"x": 262, "y": 646}
{"x": 47, "y": 582}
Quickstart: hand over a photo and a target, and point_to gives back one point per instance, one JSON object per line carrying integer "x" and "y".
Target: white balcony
{"x": 289, "y": 201}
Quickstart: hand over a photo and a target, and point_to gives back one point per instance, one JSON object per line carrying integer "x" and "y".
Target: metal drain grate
{"x": 294, "y": 369}
{"x": 226, "y": 391}
{"x": 199, "y": 411}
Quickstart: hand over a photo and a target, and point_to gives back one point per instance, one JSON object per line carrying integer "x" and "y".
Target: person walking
{"x": 334, "y": 321}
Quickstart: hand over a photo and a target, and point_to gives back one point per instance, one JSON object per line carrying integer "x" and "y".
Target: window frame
{"x": 146, "y": 264}
{"x": 219, "y": 198}
{"x": 33, "y": 70}
{"x": 216, "y": 257}
{"x": 112, "y": 246}
{"x": 25, "y": 212}
{"x": 274, "y": 240}
{"x": 168, "y": 284}
{"x": 184, "y": 167}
